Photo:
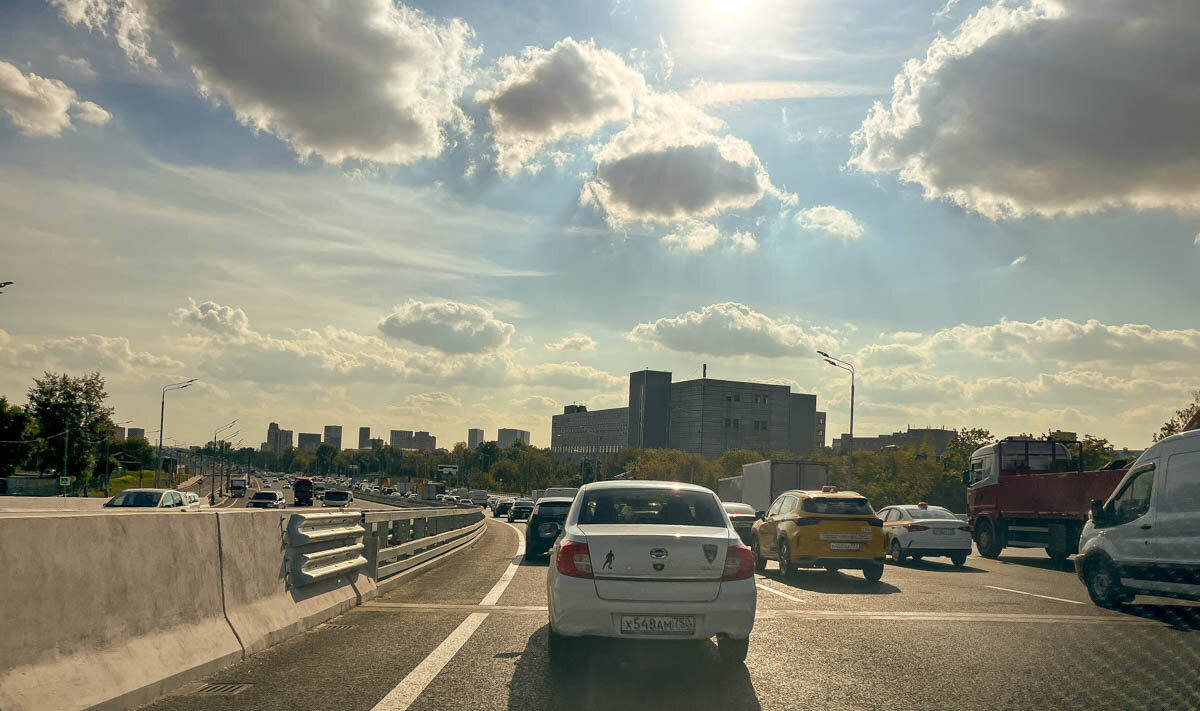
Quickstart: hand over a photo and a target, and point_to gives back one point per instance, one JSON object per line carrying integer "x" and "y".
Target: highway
{"x": 468, "y": 631}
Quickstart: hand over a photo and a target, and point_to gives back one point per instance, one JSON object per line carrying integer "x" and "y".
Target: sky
{"x": 468, "y": 214}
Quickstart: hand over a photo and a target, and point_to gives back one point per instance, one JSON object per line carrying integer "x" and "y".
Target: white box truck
{"x": 765, "y": 480}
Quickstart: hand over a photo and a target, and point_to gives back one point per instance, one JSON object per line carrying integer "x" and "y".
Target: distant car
{"x": 266, "y": 500}
{"x": 287, "y": 485}
{"x": 147, "y": 499}
{"x": 649, "y": 560}
{"x": 338, "y": 499}
{"x": 742, "y": 516}
{"x": 191, "y": 501}
{"x": 502, "y": 507}
{"x": 492, "y": 502}
{"x": 545, "y": 523}
{"x": 919, "y": 530}
{"x": 521, "y": 509}
{"x": 450, "y": 499}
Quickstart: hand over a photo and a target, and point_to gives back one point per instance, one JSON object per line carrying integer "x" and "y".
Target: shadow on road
{"x": 839, "y": 583}
{"x": 1044, "y": 564}
{"x": 1180, "y": 617}
{"x": 630, "y": 674}
{"x": 542, "y": 561}
{"x": 935, "y": 566}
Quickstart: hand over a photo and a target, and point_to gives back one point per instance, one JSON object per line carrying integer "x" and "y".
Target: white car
{"x": 649, "y": 560}
{"x": 266, "y": 500}
{"x": 922, "y": 531}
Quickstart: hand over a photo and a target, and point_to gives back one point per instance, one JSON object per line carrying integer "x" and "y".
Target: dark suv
{"x": 545, "y": 523}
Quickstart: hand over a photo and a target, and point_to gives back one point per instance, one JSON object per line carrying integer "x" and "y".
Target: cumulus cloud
{"x": 110, "y": 355}
{"x": 353, "y": 79}
{"x": 569, "y": 376}
{"x": 830, "y": 220}
{"x": 1019, "y": 261}
{"x": 225, "y": 321}
{"x": 669, "y": 165}
{"x": 743, "y": 242}
{"x": 1051, "y": 107}
{"x": 545, "y": 95}
{"x": 38, "y": 106}
{"x": 448, "y": 326}
{"x": 539, "y": 404}
{"x": 79, "y": 65}
{"x": 576, "y": 341}
{"x": 696, "y": 236}
{"x": 426, "y": 402}
{"x": 732, "y": 329}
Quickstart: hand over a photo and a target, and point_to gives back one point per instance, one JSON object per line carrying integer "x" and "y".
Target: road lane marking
{"x": 780, "y": 593}
{"x": 1044, "y": 597}
{"x": 407, "y": 691}
{"x": 856, "y": 616}
{"x": 501, "y": 584}
{"x": 451, "y": 606}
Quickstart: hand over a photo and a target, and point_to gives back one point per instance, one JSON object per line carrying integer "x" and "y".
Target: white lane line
{"x": 1044, "y": 597}
{"x": 407, "y": 691}
{"x": 498, "y": 589}
{"x": 780, "y": 593}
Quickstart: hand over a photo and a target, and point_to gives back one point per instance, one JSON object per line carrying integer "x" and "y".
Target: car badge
{"x": 658, "y": 553}
{"x": 710, "y": 551}
{"x": 866, "y": 529}
{"x": 608, "y": 560}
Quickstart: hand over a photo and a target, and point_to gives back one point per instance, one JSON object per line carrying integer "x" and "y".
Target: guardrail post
{"x": 372, "y": 552}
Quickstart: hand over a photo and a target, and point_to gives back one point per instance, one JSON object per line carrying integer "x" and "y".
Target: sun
{"x": 727, "y": 7}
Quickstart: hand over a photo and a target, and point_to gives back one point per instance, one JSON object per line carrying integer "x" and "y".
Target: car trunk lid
{"x": 646, "y": 562}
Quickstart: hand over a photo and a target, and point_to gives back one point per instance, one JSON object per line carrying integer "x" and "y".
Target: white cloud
{"x": 732, "y": 329}
{"x": 426, "y": 402}
{"x": 38, "y": 106}
{"x": 576, "y": 341}
{"x": 78, "y": 65}
{"x": 1051, "y": 107}
{"x": 536, "y": 404}
{"x": 705, "y": 93}
{"x": 365, "y": 79}
{"x": 225, "y": 321}
{"x": 568, "y": 376}
{"x": 1019, "y": 261}
{"x": 831, "y": 220}
{"x": 546, "y": 95}
{"x": 669, "y": 165}
{"x": 743, "y": 241}
{"x": 110, "y": 355}
{"x": 448, "y": 326}
{"x": 1197, "y": 240}
{"x": 696, "y": 236}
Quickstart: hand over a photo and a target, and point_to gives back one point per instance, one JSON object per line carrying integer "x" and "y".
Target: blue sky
{"x": 468, "y": 214}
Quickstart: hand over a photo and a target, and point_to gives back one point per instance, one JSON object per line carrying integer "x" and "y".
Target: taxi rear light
{"x": 739, "y": 563}
{"x": 574, "y": 560}
{"x": 915, "y": 527}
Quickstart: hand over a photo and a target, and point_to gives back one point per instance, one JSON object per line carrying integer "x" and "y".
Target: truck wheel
{"x": 1104, "y": 585}
{"x": 986, "y": 540}
{"x": 897, "y": 552}
{"x": 786, "y": 569}
{"x": 760, "y": 563}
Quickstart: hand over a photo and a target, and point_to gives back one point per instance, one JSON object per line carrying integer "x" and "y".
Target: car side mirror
{"x": 1097, "y": 510}
{"x": 760, "y": 515}
{"x": 966, "y": 477}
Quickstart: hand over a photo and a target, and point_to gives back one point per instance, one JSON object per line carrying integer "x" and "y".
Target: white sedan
{"x": 650, "y": 560}
{"x": 921, "y": 530}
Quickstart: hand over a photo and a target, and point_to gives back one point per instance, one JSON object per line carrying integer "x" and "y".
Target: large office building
{"x": 703, "y": 416}
{"x": 135, "y": 433}
{"x": 407, "y": 439}
{"x": 474, "y": 438}
{"x": 278, "y": 440}
{"x": 333, "y": 436}
{"x": 308, "y": 441}
{"x": 364, "y": 437}
{"x": 937, "y": 438}
{"x": 506, "y": 437}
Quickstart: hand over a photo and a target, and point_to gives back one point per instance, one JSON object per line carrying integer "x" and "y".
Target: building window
{"x": 727, "y": 425}
{"x": 728, "y": 397}
{"x": 737, "y": 397}
{"x": 735, "y": 423}
{"x": 756, "y": 425}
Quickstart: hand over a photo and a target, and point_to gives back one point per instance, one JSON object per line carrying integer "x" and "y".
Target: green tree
{"x": 1096, "y": 452}
{"x": 730, "y": 463}
{"x": 957, "y": 456}
{"x": 73, "y": 406}
{"x": 15, "y": 426}
{"x": 1181, "y": 419}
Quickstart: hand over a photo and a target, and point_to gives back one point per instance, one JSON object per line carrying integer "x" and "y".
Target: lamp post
{"x": 212, "y": 495}
{"x": 849, "y": 367}
{"x": 162, "y": 410}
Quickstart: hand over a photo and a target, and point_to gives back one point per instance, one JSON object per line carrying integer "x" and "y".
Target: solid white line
{"x": 1044, "y": 597}
{"x": 407, "y": 691}
{"x": 780, "y": 593}
{"x": 498, "y": 589}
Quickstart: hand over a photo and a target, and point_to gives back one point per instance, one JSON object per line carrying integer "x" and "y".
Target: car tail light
{"x": 739, "y": 563}
{"x": 575, "y": 560}
{"x": 965, "y": 528}
{"x": 915, "y": 527}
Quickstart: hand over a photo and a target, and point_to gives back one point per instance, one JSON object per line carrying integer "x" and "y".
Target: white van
{"x": 1145, "y": 539}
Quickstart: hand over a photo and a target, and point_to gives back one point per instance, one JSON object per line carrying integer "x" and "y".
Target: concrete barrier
{"x": 27, "y": 504}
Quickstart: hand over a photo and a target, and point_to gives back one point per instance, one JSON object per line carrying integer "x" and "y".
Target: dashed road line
{"x": 1044, "y": 597}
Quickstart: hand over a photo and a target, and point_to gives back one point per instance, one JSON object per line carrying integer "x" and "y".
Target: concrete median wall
{"x": 25, "y": 504}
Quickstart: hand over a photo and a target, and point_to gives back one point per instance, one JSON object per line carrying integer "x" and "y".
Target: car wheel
{"x": 1057, "y": 557}
{"x": 959, "y": 559}
{"x": 786, "y": 568}
{"x": 1104, "y": 585}
{"x": 897, "y": 553}
{"x": 732, "y": 651}
{"x": 873, "y": 572}
{"x": 760, "y": 563}
{"x": 986, "y": 540}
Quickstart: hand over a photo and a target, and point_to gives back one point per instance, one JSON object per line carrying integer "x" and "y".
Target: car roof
{"x": 564, "y": 499}
{"x": 642, "y": 484}
{"x": 827, "y": 494}
{"x": 157, "y": 491}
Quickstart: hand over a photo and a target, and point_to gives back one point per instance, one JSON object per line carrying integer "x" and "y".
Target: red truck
{"x": 1031, "y": 493}
{"x": 303, "y": 490}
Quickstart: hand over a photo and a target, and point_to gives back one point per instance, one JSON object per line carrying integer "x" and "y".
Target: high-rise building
{"x": 308, "y": 441}
{"x": 272, "y": 438}
{"x": 364, "y": 437}
{"x": 424, "y": 441}
{"x": 401, "y": 439}
{"x": 135, "y": 433}
{"x": 474, "y": 438}
{"x": 506, "y": 437}
{"x": 284, "y": 442}
{"x": 333, "y": 436}
{"x": 119, "y": 433}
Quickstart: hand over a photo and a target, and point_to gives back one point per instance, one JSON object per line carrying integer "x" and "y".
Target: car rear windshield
{"x": 135, "y": 498}
{"x": 303, "y": 486}
{"x": 337, "y": 496}
{"x": 935, "y": 512}
{"x": 651, "y": 506}
{"x": 857, "y": 507}
{"x": 263, "y": 495}
{"x": 555, "y": 506}
{"x": 739, "y": 509}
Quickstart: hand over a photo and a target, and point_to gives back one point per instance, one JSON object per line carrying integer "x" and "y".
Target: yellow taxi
{"x": 828, "y": 529}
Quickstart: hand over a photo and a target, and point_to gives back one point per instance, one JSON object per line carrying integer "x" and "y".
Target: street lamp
{"x": 849, "y": 367}
{"x": 212, "y": 496}
{"x": 162, "y": 409}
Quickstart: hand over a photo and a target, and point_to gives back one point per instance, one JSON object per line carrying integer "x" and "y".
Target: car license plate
{"x": 684, "y": 625}
{"x": 943, "y": 531}
{"x": 845, "y": 546}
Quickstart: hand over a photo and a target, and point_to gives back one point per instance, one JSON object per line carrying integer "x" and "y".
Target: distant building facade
{"x": 308, "y": 441}
{"x": 401, "y": 439}
{"x": 333, "y": 436}
{"x": 278, "y": 440}
{"x": 506, "y": 437}
{"x": 119, "y": 433}
{"x": 474, "y": 438}
{"x": 364, "y": 437}
{"x": 938, "y": 438}
{"x": 135, "y": 433}
{"x": 376, "y": 442}
{"x": 577, "y": 434}
{"x": 407, "y": 439}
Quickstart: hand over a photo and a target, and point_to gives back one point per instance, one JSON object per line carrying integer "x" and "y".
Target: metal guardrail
{"x": 324, "y": 545}
{"x": 400, "y": 539}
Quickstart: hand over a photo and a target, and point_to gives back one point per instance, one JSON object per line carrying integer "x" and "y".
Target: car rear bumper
{"x": 940, "y": 550}
{"x": 836, "y": 562}
{"x": 577, "y": 611}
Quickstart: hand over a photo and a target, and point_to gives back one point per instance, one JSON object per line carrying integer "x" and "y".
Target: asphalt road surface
{"x": 469, "y": 632}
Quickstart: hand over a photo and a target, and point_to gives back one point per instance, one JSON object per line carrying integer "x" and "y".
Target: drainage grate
{"x": 222, "y": 689}
{"x": 337, "y": 627}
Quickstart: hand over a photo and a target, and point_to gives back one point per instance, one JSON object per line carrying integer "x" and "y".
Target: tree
{"x": 957, "y": 456}
{"x": 730, "y": 463}
{"x": 74, "y": 408}
{"x": 1181, "y": 420}
{"x": 1096, "y": 452}
{"x": 15, "y": 425}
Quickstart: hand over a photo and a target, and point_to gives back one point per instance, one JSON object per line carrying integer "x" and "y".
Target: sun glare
{"x": 727, "y": 7}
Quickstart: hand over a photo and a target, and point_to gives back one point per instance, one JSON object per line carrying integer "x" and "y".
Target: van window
{"x": 1181, "y": 490}
{"x": 1133, "y": 500}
